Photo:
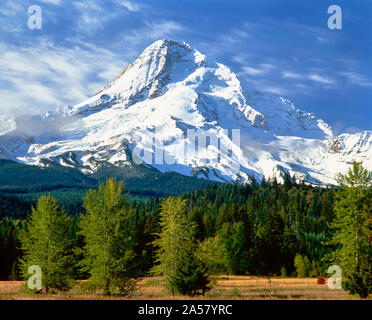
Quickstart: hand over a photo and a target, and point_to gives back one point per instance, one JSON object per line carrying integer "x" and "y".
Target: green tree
{"x": 234, "y": 238}
{"x": 176, "y": 251}
{"x": 212, "y": 253}
{"x": 283, "y": 272}
{"x": 307, "y": 265}
{"x": 109, "y": 256}
{"x": 45, "y": 243}
{"x": 314, "y": 269}
{"x": 9, "y": 248}
{"x": 300, "y": 265}
{"x": 352, "y": 230}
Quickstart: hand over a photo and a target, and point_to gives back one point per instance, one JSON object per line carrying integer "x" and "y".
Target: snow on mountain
{"x": 168, "y": 91}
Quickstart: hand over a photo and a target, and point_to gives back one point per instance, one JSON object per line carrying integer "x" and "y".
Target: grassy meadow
{"x": 226, "y": 288}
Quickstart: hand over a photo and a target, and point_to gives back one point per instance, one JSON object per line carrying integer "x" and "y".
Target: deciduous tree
{"x": 45, "y": 243}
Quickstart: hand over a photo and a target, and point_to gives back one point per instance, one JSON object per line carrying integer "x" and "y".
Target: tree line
{"x": 264, "y": 228}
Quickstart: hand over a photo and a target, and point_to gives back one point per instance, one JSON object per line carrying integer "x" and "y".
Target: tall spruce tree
{"x": 234, "y": 239}
{"x": 46, "y": 244}
{"x": 352, "y": 230}
{"x": 176, "y": 251}
{"x": 109, "y": 255}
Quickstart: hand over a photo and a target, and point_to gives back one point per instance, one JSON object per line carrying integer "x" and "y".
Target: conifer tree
{"x": 46, "y": 244}
{"x": 352, "y": 230}
{"x": 176, "y": 251}
{"x": 234, "y": 237}
{"x": 109, "y": 255}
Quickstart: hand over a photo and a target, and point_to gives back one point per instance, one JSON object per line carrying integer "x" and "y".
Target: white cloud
{"x": 320, "y": 79}
{"x": 159, "y": 30}
{"x": 291, "y": 75}
{"x": 55, "y": 2}
{"x": 262, "y": 68}
{"x": 110, "y": 73}
{"x": 44, "y": 76}
{"x": 93, "y": 15}
{"x": 356, "y": 78}
{"x": 242, "y": 58}
{"x": 234, "y": 37}
{"x": 9, "y": 13}
{"x": 273, "y": 90}
{"x": 151, "y": 32}
{"x": 130, "y": 5}
{"x": 267, "y": 66}
{"x": 252, "y": 71}
{"x": 11, "y": 8}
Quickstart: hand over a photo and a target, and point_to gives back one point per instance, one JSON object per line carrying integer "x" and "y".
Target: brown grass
{"x": 227, "y": 287}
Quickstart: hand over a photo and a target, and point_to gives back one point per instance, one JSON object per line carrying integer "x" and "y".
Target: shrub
{"x": 283, "y": 272}
{"x": 300, "y": 266}
{"x": 321, "y": 280}
{"x": 358, "y": 284}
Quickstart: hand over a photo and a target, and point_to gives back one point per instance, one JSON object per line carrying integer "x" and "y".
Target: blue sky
{"x": 280, "y": 47}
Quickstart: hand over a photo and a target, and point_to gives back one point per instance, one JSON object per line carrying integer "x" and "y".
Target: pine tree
{"x": 109, "y": 255}
{"x": 176, "y": 251}
{"x": 352, "y": 229}
{"x": 234, "y": 237}
{"x": 327, "y": 210}
{"x": 288, "y": 248}
{"x": 45, "y": 243}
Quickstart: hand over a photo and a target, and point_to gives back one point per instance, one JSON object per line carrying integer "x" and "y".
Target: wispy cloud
{"x": 320, "y": 79}
{"x": 252, "y": 71}
{"x": 274, "y": 90}
{"x": 10, "y": 8}
{"x": 54, "y": 2}
{"x": 260, "y": 69}
{"x": 9, "y": 11}
{"x": 291, "y": 75}
{"x": 319, "y": 34}
{"x": 45, "y": 76}
{"x": 150, "y": 32}
{"x": 281, "y": 54}
{"x": 130, "y": 5}
{"x": 356, "y": 78}
{"x": 92, "y": 15}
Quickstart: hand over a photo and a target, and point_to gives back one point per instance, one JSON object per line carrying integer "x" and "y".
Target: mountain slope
{"x": 17, "y": 178}
{"x": 159, "y": 99}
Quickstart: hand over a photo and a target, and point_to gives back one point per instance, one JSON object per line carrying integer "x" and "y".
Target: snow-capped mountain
{"x": 168, "y": 92}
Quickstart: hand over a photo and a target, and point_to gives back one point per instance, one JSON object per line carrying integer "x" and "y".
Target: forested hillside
{"x": 17, "y": 178}
{"x": 262, "y": 226}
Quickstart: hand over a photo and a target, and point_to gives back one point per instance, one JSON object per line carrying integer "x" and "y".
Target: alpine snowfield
{"x": 170, "y": 89}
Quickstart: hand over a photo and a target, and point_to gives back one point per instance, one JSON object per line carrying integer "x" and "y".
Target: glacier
{"x": 172, "y": 88}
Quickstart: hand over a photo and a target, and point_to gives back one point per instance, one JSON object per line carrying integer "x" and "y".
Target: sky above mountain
{"x": 281, "y": 47}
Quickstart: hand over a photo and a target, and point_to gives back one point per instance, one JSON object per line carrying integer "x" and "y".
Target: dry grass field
{"x": 227, "y": 287}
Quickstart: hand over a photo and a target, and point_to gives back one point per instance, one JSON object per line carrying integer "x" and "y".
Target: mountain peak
{"x": 169, "y": 89}
{"x": 169, "y": 52}
{"x": 169, "y": 43}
